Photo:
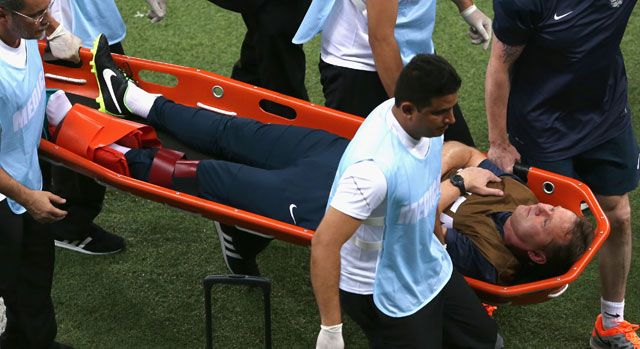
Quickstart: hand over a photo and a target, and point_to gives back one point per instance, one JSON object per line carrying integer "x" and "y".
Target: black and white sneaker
{"x": 98, "y": 242}
{"x": 240, "y": 248}
{"x": 112, "y": 82}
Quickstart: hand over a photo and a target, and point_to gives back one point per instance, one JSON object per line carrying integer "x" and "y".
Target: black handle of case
{"x": 235, "y": 279}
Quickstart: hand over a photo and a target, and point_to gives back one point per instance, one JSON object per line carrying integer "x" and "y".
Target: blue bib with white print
{"x": 90, "y": 18}
{"x": 22, "y": 105}
{"x": 413, "y": 29}
{"x": 413, "y": 265}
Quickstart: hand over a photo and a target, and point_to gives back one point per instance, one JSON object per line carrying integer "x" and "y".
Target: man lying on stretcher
{"x": 286, "y": 172}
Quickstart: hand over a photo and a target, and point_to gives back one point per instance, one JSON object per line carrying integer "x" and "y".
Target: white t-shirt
{"x": 15, "y": 56}
{"x": 362, "y": 193}
{"x": 345, "y": 37}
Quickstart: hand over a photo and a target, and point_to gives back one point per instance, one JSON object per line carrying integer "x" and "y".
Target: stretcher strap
{"x": 163, "y": 166}
{"x": 84, "y": 130}
{"x": 368, "y": 245}
{"x": 185, "y": 168}
{"x": 374, "y": 221}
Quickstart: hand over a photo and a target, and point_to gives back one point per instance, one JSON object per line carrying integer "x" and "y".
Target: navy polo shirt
{"x": 569, "y": 85}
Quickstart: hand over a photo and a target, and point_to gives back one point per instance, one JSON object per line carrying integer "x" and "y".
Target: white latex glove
{"x": 64, "y": 45}
{"x": 158, "y": 10}
{"x": 330, "y": 337}
{"x": 479, "y": 26}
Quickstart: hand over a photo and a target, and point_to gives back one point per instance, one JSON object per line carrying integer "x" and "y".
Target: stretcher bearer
{"x": 375, "y": 251}
{"x": 556, "y": 96}
{"x": 87, "y": 19}
{"x": 365, "y": 43}
{"x": 77, "y": 23}
{"x": 26, "y": 248}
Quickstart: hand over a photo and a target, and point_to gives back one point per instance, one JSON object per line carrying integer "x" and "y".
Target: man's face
{"x": 30, "y": 21}
{"x": 536, "y": 226}
{"x": 433, "y": 120}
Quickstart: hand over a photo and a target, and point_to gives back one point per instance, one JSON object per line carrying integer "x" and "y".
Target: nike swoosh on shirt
{"x": 291, "y": 207}
{"x": 107, "y": 74}
{"x": 556, "y": 17}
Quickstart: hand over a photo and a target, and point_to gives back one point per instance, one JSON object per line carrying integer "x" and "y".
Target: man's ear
{"x": 407, "y": 108}
{"x": 4, "y": 15}
{"x": 537, "y": 257}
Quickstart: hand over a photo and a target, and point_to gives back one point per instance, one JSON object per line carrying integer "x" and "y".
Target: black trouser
{"x": 84, "y": 195}
{"x": 84, "y": 202}
{"x": 268, "y": 58}
{"x": 455, "y": 318}
{"x": 358, "y": 92}
{"x": 26, "y": 274}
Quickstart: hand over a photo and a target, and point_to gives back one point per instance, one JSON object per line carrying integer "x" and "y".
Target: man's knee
{"x": 618, "y": 211}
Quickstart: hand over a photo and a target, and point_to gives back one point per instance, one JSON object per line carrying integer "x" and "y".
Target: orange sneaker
{"x": 623, "y": 336}
{"x": 489, "y": 308}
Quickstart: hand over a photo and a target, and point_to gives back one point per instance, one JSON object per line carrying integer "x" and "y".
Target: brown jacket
{"x": 471, "y": 215}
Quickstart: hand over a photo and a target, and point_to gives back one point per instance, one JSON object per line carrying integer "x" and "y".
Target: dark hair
{"x": 424, "y": 78}
{"x": 560, "y": 258}
{"x": 13, "y": 5}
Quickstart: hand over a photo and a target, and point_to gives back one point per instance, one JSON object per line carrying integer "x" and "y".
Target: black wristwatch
{"x": 458, "y": 182}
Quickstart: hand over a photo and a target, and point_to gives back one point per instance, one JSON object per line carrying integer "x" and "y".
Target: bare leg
{"x": 615, "y": 254}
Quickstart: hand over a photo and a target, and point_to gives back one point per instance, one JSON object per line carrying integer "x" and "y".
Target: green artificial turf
{"x": 150, "y": 296}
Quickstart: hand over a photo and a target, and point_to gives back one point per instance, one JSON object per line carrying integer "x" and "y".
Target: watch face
{"x": 458, "y": 181}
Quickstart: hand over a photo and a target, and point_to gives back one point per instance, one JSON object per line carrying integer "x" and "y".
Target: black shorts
{"x": 610, "y": 168}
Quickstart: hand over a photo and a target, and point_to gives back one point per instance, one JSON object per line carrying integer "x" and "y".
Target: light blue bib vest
{"x": 22, "y": 105}
{"x": 413, "y": 266}
{"x": 413, "y": 30}
{"x": 92, "y": 17}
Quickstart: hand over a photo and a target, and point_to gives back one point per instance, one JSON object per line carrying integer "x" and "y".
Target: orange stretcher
{"x": 206, "y": 90}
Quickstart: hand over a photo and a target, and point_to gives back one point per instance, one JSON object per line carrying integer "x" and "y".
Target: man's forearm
{"x": 382, "y": 16}
{"x": 462, "y": 4}
{"x": 53, "y": 24}
{"x": 448, "y": 194}
{"x": 325, "y": 276}
{"x": 13, "y": 189}
{"x": 333, "y": 231}
{"x": 388, "y": 63}
{"x": 498, "y": 88}
{"x": 458, "y": 155}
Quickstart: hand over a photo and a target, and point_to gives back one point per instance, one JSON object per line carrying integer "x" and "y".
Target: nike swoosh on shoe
{"x": 107, "y": 74}
{"x": 291, "y": 207}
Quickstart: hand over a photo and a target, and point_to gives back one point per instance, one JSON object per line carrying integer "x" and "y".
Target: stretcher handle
{"x": 235, "y": 279}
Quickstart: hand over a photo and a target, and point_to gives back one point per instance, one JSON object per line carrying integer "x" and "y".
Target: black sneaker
{"x": 112, "y": 82}
{"x": 240, "y": 248}
{"x": 98, "y": 242}
{"x": 58, "y": 345}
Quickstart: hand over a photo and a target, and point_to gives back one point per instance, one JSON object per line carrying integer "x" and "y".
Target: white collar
{"x": 14, "y": 56}
{"x": 417, "y": 147}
